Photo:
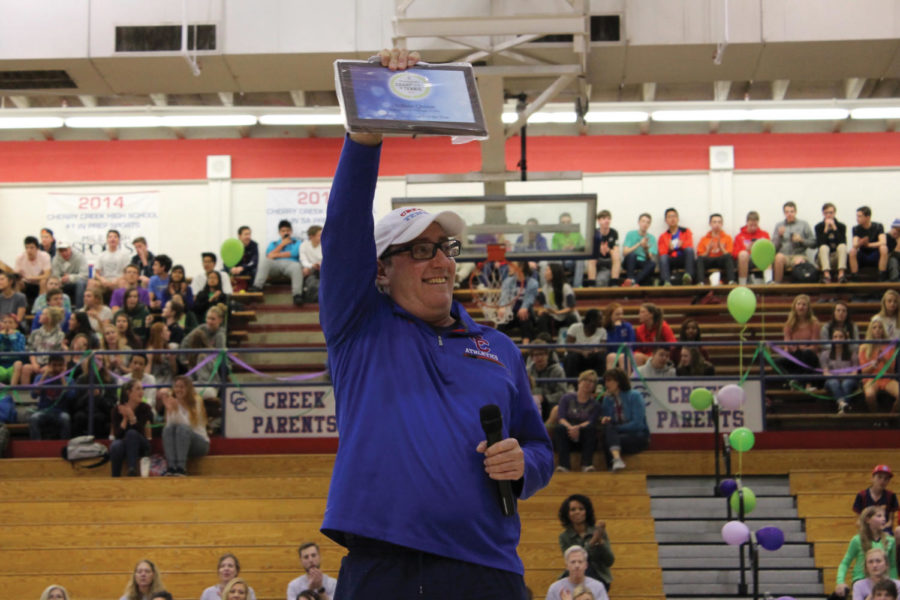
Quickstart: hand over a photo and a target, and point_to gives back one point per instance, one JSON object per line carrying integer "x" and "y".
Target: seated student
{"x": 11, "y": 340}
{"x": 178, "y": 286}
{"x": 210, "y": 335}
{"x": 112, "y": 340}
{"x": 122, "y": 322}
{"x": 555, "y": 304}
{"x": 531, "y": 240}
{"x": 137, "y": 371}
{"x": 98, "y": 313}
{"x": 282, "y": 259}
{"x": 184, "y": 435}
{"x": 801, "y": 326}
{"x": 625, "y": 429}
{"x": 71, "y": 267}
{"x": 143, "y": 260}
{"x": 618, "y": 331}
{"x": 12, "y": 302}
{"x": 831, "y": 239}
{"x": 159, "y": 281}
{"x": 53, "y": 403}
{"x": 653, "y": 328}
{"x": 641, "y": 251}
{"x": 55, "y": 592}
{"x": 55, "y": 298}
{"x": 137, "y": 313}
{"x": 690, "y": 332}
{"x": 835, "y": 360}
{"x": 80, "y": 323}
{"x": 111, "y": 263}
{"x": 744, "y": 240}
{"x": 105, "y": 397}
{"x": 523, "y": 286}
{"x": 714, "y": 251}
{"x": 574, "y": 585}
{"x": 889, "y": 315}
{"x": 130, "y": 429}
{"x": 605, "y": 266}
{"x": 791, "y": 239}
{"x": 841, "y": 319}
{"x": 227, "y": 569}
{"x": 48, "y": 242}
{"x": 871, "y": 535}
{"x": 874, "y": 354}
{"x": 876, "y": 571}
{"x": 163, "y": 367}
{"x": 886, "y": 589}
{"x": 53, "y": 283}
{"x": 577, "y": 427}
{"x": 691, "y": 363}
{"x": 130, "y": 281}
{"x": 572, "y": 241}
{"x": 869, "y": 247}
{"x": 179, "y": 322}
{"x": 311, "y": 262}
{"x": 250, "y": 259}
{"x": 48, "y": 338}
{"x": 313, "y": 581}
{"x": 33, "y": 268}
{"x": 658, "y": 366}
{"x": 145, "y": 584}
{"x": 676, "y": 249}
{"x": 546, "y": 393}
{"x": 209, "y": 264}
{"x": 582, "y": 529}
{"x": 589, "y": 331}
{"x": 893, "y": 254}
{"x": 211, "y": 294}
{"x": 236, "y": 589}
{"x": 877, "y": 494}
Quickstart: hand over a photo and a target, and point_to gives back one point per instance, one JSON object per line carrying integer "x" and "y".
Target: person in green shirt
{"x": 570, "y": 241}
{"x": 582, "y": 529}
{"x": 871, "y": 535}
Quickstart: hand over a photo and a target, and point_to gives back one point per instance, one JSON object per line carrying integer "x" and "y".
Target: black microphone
{"x": 492, "y": 424}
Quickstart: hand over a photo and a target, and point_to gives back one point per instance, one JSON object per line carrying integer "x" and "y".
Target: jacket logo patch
{"x": 482, "y": 351}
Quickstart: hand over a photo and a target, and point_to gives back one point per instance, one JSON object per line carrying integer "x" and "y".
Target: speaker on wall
{"x": 218, "y": 167}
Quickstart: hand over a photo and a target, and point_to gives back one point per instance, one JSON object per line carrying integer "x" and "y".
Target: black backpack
{"x": 805, "y": 272}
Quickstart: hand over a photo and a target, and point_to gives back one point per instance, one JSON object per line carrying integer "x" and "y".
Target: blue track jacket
{"x": 408, "y": 401}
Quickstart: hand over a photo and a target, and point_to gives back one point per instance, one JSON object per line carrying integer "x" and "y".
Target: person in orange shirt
{"x": 714, "y": 250}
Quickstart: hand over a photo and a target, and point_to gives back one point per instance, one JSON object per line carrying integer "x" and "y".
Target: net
{"x": 486, "y": 283}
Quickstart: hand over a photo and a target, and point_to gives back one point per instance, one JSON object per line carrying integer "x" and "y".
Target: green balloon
{"x": 232, "y": 252}
{"x": 741, "y": 304}
{"x": 701, "y": 399}
{"x": 742, "y": 439}
{"x": 763, "y": 253}
{"x": 749, "y": 501}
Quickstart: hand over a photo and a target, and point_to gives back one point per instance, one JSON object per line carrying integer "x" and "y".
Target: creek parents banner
{"x": 669, "y": 409}
{"x": 83, "y": 219}
{"x": 268, "y": 412}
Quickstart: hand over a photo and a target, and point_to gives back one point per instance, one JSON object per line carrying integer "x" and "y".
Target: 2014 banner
{"x": 84, "y": 218}
{"x": 302, "y": 206}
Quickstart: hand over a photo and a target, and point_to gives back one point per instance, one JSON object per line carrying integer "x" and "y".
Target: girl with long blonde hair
{"x": 871, "y": 535}
{"x": 184, "y": 435}
{"x": 876, "y": 350}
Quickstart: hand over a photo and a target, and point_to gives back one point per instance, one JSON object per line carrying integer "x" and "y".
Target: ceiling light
{"x": 113, "y": 122}
{"x": 30, "y": 122}
{"x": 799, "y": 114}
{"x": 616, "y": 116}
{"x": 302, "y": 119}
{"x": 510, "y": 117}
{"x": 884, "y": 112}
{"x": 699, "y": 115}
{"x": 208, "y": 121}
{"x": 552, "y": 117}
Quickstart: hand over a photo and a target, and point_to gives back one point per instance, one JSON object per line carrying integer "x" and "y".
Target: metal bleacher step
{"x": 717, "y": 556}
{"x": 767, "y": 507}
{"x": 670, "y": 487}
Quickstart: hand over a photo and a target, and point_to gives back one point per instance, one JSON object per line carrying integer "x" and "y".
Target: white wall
{"x": 195, "y": 217}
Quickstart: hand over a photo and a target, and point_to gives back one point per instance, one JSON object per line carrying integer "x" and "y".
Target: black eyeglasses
{"x": 428, "y": 250}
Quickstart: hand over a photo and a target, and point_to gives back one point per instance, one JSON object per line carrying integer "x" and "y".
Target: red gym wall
{"x": 168, "y": 160}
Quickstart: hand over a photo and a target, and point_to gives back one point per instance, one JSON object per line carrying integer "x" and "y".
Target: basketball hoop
{"x": 486, "y": 283}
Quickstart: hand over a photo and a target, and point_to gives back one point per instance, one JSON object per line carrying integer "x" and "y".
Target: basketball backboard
{"x": 530, "y": 227}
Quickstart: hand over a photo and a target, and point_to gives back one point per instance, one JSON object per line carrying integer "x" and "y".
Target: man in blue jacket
{"x": 413, "y": 492}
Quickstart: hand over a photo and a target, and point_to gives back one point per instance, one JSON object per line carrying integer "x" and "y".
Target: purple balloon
{"x": 735, "y": 533}
{"x": 731, "y": 397}
{"x": 727, "y": 487}
{"x": 770, "y": 538}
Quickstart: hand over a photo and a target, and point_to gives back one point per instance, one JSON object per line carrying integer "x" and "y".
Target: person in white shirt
{"x": 112, "y": 262}
{"x": 314, "y": 579}
{"x": 138, "y": 367}
{"x": 311, "y": 262}
{"x": 576, "y": 562}
{"x": 209, "y": 264}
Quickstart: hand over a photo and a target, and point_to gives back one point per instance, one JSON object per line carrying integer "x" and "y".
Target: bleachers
{"x": 92, "y": 529}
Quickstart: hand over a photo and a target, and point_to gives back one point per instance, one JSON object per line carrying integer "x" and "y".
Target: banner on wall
{"x": 302, "y": 206}
{"x": 83, "y": 219}
{"x": 269, "y": 412}
{"x": 669, "y": 409}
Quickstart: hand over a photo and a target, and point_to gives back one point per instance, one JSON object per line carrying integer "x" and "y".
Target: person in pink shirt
{"x": 33, "y": 266}
{"x": 801, "y": 326}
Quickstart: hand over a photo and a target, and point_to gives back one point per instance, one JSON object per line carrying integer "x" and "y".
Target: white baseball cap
{"x": 406, "y": 224}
